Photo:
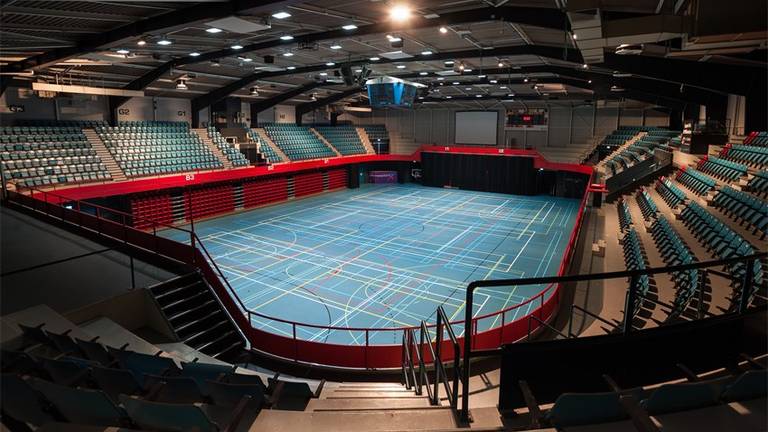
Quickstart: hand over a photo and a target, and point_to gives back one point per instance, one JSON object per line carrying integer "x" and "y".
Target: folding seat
{"x": 23, "y": 403}
{"x": 684, "y": 396}
{"x": 83, "y": 406}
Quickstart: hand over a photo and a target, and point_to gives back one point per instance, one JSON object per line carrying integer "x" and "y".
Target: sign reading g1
{"x": 182, "y": 113}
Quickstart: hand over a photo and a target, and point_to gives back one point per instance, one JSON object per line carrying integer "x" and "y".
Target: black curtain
{"x": 502, "y": 174}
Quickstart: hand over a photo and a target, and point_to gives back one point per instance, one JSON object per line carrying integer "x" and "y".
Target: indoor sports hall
{"x": 386, "y": 216}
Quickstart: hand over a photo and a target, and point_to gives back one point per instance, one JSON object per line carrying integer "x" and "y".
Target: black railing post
{"x": 629, "y": 308}
{"x": 702, "y": 284}
{"x": 133, "y": 274}
{"x": 438, "y": 355}
{"x": 467, "y": 350}
{"x": 746, "y": 286}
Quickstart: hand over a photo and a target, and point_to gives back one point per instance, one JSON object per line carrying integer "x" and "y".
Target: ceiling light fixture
{"x": 478, "y": 95}
{"x": 236, "y": 47}
{"x": 164, "y": 41}
{"x": 281, "y": 15}
{"x": 323, "y": 73}
{"x": 330, "y": 64}
{"x": 122, "y": 51}
{"x": 194, "y": 54}
{"x": 443, "y": 30}
{"x": 335, "y": 46}
{"x": 374, "y": 59}
{"x": 455, "y": 83}
{"x": 501, "y": 64}
{"x": 291, "y": 67}
{"x": 181, "y": 84}
{"x": 288, "y": 54}
{"x": 286, "y": 37}
{"x": 426, "y": 53}
{"x": 423, "y": 73}
{"x": 213, "y": 30}
{"x": 254, "y": 91}
{"x": 349, "y": 27}
{"x": 400, "y": 13}
{"x": 141, "y": 42}
{"x": 400, "y": 66}
{"x": 448, "y": 97}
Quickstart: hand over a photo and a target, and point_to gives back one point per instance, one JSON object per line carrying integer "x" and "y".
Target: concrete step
{"x": 324, "y": 141}
{"x": 371, "y": 386}
{"x": 371, "y": 394}
{"x": 105, "y": 156}
{"x": 265, "y": 137}
{"x": 354, "y": 404}
{"x": 203, "y": 134}
{"x": 440, "y": 419}
{"x": 365, "y": 140}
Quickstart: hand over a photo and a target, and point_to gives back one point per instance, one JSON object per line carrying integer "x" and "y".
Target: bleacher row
{"x": 634, "y": 259}
{"x": 53, "y": 377}
{"x": 42, "y": 153}
{"x": 639, "y": 150}
{"x": 35, "y": 156}
{"x": 674, "y": 251}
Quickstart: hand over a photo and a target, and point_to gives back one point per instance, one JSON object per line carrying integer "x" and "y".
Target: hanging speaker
{"x": 346, "y": 72}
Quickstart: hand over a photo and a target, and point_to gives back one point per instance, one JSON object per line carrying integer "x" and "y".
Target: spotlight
{"x": 313, "y": 96}
{"x": 589, "y": 82}
{"x": 478, "y": 95}
{"x": 443, "y": 30}
{"x": 164, "y": 41}
{"x": 194, "y": 54}
{"x": 236, "y": 47}
{"x": 213, "y": 30}
{"x": 141, "y": 42}
{"x": 525, "y": 79}
{"x": 374, "y": 59}
{"x": 254, "y": 91}
{"x": 122, "y": 51}
{"x": 501, "y": 64}
{"x": 400, "y": 13}
{"x": 455, "y": 83}
{"x": 281, "y": 15}
{"x": 423, "y": 73}
{"x": 286, "y": 37}
{"x": 288, "y": 54}
{"x": 335, "y": 46}
{"x": 493, "y": 81}
{"x": 481, "y": 76}
{"x": 330, "y": 64}
{"x": 461, "y": 66}
{"x": 349, "y": 27}
{"x": 181, "y": 84}
{"x": 215, "y": 63}
{"x": 426, "y": 53}
{"x": 401, "y": 66}
{"x": 448, "y": 97}
{"x": 291, "y": 67}
{"x": 323, "y": 73}
{"x": 585, "y": 66}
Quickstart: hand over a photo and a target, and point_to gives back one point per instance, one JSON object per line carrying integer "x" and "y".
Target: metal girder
{"x": 543, "y": 51}
{"x": 540, "y": 17}
{"x": 257, "y": 107}
{"x": 311, "y": 106}
{"x": 199, "y": 12}
{"x": 714, "y": 76}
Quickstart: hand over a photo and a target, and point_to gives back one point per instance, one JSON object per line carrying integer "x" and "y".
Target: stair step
{"x": 190, "y": 340}
{"x": 187, "y": 303}
{"x": 190, "y": 312}
{"x": 183, "y": 328}
{"x": 373, "y": 394}
{"x": 225, "y": 353}
{"x": 217, "y": 340}
{"x": 368, "y": 404}
{"x": 168, "y": 295}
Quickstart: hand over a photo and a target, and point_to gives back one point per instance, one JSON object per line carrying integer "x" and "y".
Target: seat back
{"x": 21, "y": 401}
{"x": 95, "y": 351}
{"x": 684, "y": 396}
{"x": 572, "y": 409}
{"x": 203, "y": 372}
{"x": 92, "y": 407}
{"x": 115, "y": 382}
{"x": 225, "y": 394}
{"x": 166, "y": 417}
{"x": 175, "y": 389}
{"x": 750, "y": 385}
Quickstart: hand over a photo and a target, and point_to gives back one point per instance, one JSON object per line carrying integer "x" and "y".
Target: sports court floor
{"x": 386, "y": 256}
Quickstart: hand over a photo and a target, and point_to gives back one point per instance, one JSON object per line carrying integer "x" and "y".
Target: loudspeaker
{"x": 346, "y": 72}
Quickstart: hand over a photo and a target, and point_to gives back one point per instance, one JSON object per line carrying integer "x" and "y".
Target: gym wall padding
{"x": 502, "y": 174}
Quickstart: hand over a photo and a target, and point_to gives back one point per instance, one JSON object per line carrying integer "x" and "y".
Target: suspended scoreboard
{"x": 387, "y": 91}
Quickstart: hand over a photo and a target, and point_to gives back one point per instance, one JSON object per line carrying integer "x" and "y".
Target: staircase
{"x": 601, "y": 166}
{"x": 572, "y": 153}
{"x": 324, "y": 141}
{"x": 105, "y": 156}
{"x": 365, "y": 140}
{"x": 372, "y": 406}
{"x": 264, "y": 137}
{"x": 203, "y": 134}
{"x": 196, "y": 316}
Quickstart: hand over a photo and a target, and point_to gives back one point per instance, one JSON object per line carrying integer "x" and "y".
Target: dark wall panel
{"x": 513, "y": 175}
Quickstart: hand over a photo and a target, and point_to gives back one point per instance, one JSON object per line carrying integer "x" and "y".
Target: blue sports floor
{"x": 386, "y": 256}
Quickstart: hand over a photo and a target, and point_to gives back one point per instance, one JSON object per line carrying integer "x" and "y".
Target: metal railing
{"x": 415, "y": 372}
{"x": 746, "y": 282}
{"x": 118, "y": 224}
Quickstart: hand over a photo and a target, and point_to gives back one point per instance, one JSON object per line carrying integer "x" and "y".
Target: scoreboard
{"x": 533, "y": 119}
{"x": 391, "y": 92}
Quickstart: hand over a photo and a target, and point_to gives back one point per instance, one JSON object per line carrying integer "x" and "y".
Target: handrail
{"x": 632, "y": 274}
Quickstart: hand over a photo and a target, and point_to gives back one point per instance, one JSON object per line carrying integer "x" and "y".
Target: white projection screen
{"x": 476, "y": 127}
